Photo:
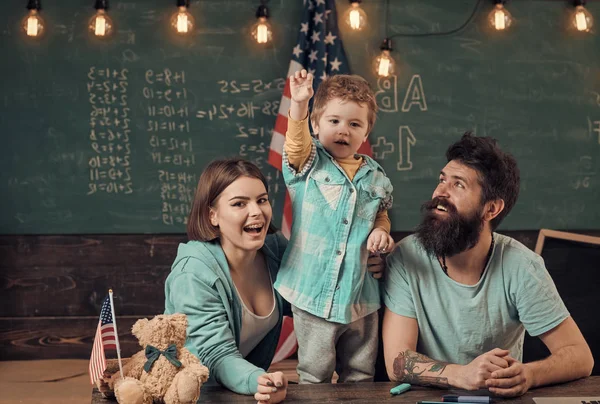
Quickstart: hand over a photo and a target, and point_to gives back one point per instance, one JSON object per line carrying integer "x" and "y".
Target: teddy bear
{"x": 164, "y": 371}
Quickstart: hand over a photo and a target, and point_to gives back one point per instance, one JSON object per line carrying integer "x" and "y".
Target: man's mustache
{"x": 433, "y": 204}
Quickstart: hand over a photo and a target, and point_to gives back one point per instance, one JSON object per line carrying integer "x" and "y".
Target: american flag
{"x": 105, "y": 339}
{"x": 319, "y": 50}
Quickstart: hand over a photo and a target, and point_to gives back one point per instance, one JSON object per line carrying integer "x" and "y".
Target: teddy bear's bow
{"x": 152, "y": 354}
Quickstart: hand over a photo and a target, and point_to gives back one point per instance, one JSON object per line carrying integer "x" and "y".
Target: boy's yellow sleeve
{"x": 382, "y": 220}
{"x": 298, "y": 143}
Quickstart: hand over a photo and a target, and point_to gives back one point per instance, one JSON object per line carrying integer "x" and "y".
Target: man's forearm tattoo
{"x": 409, "y": 367}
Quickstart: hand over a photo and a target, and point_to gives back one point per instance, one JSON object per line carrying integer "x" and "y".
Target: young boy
{"x": 339, "y": 203}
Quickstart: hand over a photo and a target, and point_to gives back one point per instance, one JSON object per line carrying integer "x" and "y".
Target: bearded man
{"x": 459, "y": 296}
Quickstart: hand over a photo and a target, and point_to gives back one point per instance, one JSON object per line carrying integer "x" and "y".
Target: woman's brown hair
{"x": 217, "y": 176}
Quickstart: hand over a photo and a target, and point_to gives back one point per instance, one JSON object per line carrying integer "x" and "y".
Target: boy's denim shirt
{"x": 324, "y": 268}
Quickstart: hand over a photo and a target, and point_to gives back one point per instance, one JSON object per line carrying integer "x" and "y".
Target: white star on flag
{"x": 330, "y": 38}
{"x": 297, "y": 51}
{"x": 316, "y": 36}
{"x": 318, "y": 18}
{"x": 324, "y": 59}
{"x": 313, "y": 55}
{"x": 335, "y": 64}
{"x": 319, "y": 2}
{"x": 304, "y": 28}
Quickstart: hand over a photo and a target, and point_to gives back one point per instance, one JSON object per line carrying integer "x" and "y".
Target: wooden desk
{"x": 380, "y": 392}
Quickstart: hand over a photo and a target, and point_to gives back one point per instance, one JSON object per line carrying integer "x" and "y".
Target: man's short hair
{"x": 347, "y": 88}
{"x": 498, "y": 173}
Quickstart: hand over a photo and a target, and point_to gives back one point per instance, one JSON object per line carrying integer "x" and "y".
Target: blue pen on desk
{"x": 399, "y": 389}
{"x": 466, "y": 399}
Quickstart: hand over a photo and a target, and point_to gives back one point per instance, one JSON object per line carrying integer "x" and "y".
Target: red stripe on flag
{"x": 365, "y": 148}
{"x": 287, "y": 92}
{"x": 286, "y": 223}
{"x": 97, "y": 359}
{"x": 287, "y": 340}
{"x": 108, "y": 336}
{"x": 275, "y": 159}
{"x": 281, "y": 124}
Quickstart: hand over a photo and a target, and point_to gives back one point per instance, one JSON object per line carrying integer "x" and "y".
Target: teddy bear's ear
{"x": 180, "y": 323}
{"x": 138, "y": 327}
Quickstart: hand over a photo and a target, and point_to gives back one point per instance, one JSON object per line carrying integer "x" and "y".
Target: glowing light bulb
{"x": 500, "y": 19}
{"x": 355, "y": 17}
{"x": 262, "y": 31}
{"x": 101, "y": 24}
{"x": 33, "y": 24}
{"x": 182, "y": 21}
{"x": 582, "y": 19}
{"x": 384, "y": 64}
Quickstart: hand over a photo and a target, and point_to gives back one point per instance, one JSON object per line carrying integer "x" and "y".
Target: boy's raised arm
{"x": 298, "y": 143}
{"x": 301, "y": 88}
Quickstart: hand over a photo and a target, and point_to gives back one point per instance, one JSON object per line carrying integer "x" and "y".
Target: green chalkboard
{"x": 110, "y": 136}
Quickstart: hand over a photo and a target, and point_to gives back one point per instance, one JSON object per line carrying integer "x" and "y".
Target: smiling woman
{"x": 222, "y": 279}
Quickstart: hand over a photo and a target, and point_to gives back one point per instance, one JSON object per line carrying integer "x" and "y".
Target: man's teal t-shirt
{"x": 459, "y": 322}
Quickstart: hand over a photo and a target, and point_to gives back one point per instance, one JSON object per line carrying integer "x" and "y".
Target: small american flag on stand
{"x": 319, "y": 50}
{"x": 105, "y": 339}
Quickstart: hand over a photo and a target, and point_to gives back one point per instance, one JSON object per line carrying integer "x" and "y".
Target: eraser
{"x": 399, "y": 389}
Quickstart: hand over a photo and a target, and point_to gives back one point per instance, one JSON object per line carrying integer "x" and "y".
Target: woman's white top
{"x": 254, "y": 327}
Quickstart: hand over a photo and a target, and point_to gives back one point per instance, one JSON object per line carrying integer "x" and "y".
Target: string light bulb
{"x": 384, "y": 63}
{"x": 101, "y": 25}
{"x": 500, "y": 19}
{"x": 33, "y": 24}
{"x": 582, "y": 19}
{"x": 262, "y": 31}
{"x": 355, "y": 16}
{"x": 182, "y": 21}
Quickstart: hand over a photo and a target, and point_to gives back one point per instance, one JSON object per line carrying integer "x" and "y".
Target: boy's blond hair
{"x": 347, "y": 88}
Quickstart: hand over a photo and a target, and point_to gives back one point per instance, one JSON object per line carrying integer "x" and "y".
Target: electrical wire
{"x": 429, "y": 34}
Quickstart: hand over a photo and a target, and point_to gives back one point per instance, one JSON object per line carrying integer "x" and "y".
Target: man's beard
{"x": 450, "y": 235}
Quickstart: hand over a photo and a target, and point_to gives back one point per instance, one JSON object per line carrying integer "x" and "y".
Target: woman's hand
{"x": 272, "y": 388}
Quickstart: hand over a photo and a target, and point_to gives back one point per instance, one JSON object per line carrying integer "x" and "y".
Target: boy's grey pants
{"x": 324, "y": 346}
